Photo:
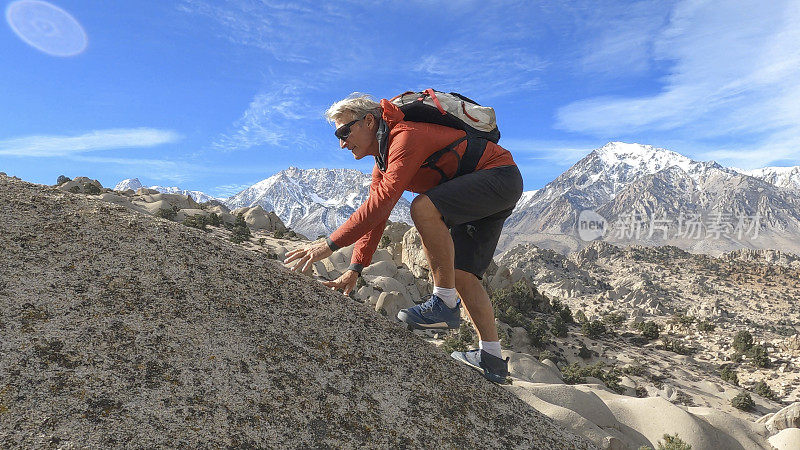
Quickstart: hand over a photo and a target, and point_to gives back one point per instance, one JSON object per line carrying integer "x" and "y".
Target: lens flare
{"x": 46, "y": 27}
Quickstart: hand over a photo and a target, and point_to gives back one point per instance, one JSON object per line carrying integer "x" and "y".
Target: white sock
{"x": 491, "y": 347}
{"x": 448, "y": 295}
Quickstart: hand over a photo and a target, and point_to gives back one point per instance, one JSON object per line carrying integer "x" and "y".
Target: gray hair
{"x": 358, "y": 104}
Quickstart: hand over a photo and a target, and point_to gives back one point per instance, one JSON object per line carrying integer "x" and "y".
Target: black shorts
{"x": 475, "y": 206}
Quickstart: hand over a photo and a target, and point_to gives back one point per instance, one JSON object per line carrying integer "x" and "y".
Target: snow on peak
{"x": 130, "y": 183}
{"x": 783, "y": 177}
{"x": 646, "y": 157}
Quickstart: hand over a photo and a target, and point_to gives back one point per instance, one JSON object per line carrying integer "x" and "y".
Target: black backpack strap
{"x": 430, "y": 161}
{"x": 472, "y": 155}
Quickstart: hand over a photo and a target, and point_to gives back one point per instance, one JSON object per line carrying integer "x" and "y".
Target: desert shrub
{"x": 762, "y": 388}
{"x": 291, "y": 234}
{"x": 705, "y": 326}
{"x": 593, "y": 329}
{"x": 537, "y": 332}
{"x": 262, "y": 241}
{"x": 742, "y": 341}
{"x": 241, "y": 232}
{"x": 634, "y": 369}
{"x": 677, "y": 346}
{"x": 196, "y": 221}
{"x": 584, "y": 352}
{"x": 728, "y": 374}
{"x": 672, "y": 443}
{"x": 575, "y": 374}
{"x": 459, "y": 340}
{"x": 214, "y": 220}
{"x": 547, "y": 354}
{"x": 511, "y": 316}
{"x": 759, "y": 356}
{"x": 613, "y": 319}
{"x": 385, "y": 241}
{"x": 518, "y": 296}
{"x": 580, "y": 317}
{"x": 91, "y": 189}
{"x": 166, "y": 213}
{"x": 278, "y": 234}
{"x": 743, "y": 401}
{"x": 75, "y": 189}
{"x": 649, "y": 329}
{"x": 559, "y": 328}
{"x": 641, "y": 391}
{"x": 561, "y": 310}
{"x": 62, "y": 179}
{"x": 505, "y": 338}
{"x": 683, "y": 319}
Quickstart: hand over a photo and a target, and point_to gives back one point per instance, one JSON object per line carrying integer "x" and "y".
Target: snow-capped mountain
{"x": 134, "y": 184}
{"x": 783, "y": 177}
{"x": 633, "y": 185}
{"x": 313, "y": 202}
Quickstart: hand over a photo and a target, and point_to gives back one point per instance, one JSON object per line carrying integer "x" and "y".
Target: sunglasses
{"x": 343, "y": 132}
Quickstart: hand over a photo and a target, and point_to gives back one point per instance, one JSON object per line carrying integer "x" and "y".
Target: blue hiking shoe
{"x": 493, "y": 368}
{"x": 431, "y": 315}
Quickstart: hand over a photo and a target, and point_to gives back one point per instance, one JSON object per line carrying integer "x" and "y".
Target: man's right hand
{"x": 346, "y": 282}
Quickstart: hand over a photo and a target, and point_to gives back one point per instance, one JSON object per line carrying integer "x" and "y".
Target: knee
{"x": 422, "y": 208}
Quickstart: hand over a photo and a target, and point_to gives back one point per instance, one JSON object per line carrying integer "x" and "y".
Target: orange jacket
{"x": 409, "y": 144}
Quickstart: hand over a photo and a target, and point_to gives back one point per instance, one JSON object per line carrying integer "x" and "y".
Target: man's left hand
{"x": 308, "y": 255}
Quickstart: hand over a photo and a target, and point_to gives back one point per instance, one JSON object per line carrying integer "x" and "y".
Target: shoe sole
{"x": 403, "y": 317}
{"x": 494, "y": 378}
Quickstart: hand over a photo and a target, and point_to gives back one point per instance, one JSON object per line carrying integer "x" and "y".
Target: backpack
{"x": 455, "y": 111}
{"x": 451, "y": 110}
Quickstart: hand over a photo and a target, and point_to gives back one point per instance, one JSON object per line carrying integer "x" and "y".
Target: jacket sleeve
{"x": 367, "y": 222}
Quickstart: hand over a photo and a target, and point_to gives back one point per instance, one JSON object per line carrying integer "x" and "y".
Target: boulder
{"x": 414, "y": 255}
{"x": 182, "y": 214}
{"x": 788, "y": 417}
{"x": 786, "y": 439}
{"x": 380, "y": 268}
{"x": 259, "y": 219}
{"x": 390, "y": 303}
{"x": 529, "y": 369}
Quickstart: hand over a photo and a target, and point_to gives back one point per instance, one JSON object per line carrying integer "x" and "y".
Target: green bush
{"x": 728, "y": 374}
{"x": 214, "y": 220}
{"x": 634, "y": 369}
{"x": 561, "y": 310}
{"x": 677, "y": 346}
{"x": 167, "y": 213}
{"x": 759, "y": 356}
{"x": 683, "y": 319}
{"x": 90, "y": 189}
{"x": 519, "y": 296}
{"x": 705, "y": 326}
{"x": 537, "y": 332}
{"x": 385, "y": 241}
{"x": 278, "y": 234}
{"x": 241, "y": 232}
{"x": 584, "y": 352}
{"x": 547, "y": 354}
{"x": 262, "y": 241}
{"x": 559, "y": 328}
{"x": 459, "y": 340}
{"x": 575, "y": 374}
{"x": 743, "y": 401}
{"x": 62, "y": 179}
{"x": 762, "y": 388}
{"x": 593, "y": 329}
{"x": 650, "y": 330}
{"x": 512, "y": 317}
{"x": 196, "y": 221}
{"x": 580, "y": 317}
{"x": 75, "y": 189}
{"x": 672, "y": 443}
{"x": 742, "y": 341}
{"x": 613, "y": 319}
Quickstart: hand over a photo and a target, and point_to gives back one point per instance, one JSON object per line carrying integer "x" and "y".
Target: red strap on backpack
{"x": 432, "y": 93}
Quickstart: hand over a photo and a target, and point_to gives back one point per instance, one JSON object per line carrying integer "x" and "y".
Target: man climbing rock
{"x": 459, "y": 213}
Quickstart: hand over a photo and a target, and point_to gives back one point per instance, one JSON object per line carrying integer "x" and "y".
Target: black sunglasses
{"x": 343, "y": 132}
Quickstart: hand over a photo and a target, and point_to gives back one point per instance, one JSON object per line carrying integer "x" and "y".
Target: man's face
{"x": 361, "y": 141}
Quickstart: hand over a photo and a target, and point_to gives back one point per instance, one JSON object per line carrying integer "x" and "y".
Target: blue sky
{"x": 217, "y": 95}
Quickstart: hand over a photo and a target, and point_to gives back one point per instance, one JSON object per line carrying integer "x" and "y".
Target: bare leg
{"x": 477, "y": 303}
{"x": 436, "y": 240}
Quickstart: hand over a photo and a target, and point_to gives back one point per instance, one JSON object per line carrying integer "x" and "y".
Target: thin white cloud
{"x": 271, "y": 118}
{"x": 157, "y": 169}
{"x": 734, "y": 73}
{"x": 54, "y": 146}
{"x": 228, "y": 190}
